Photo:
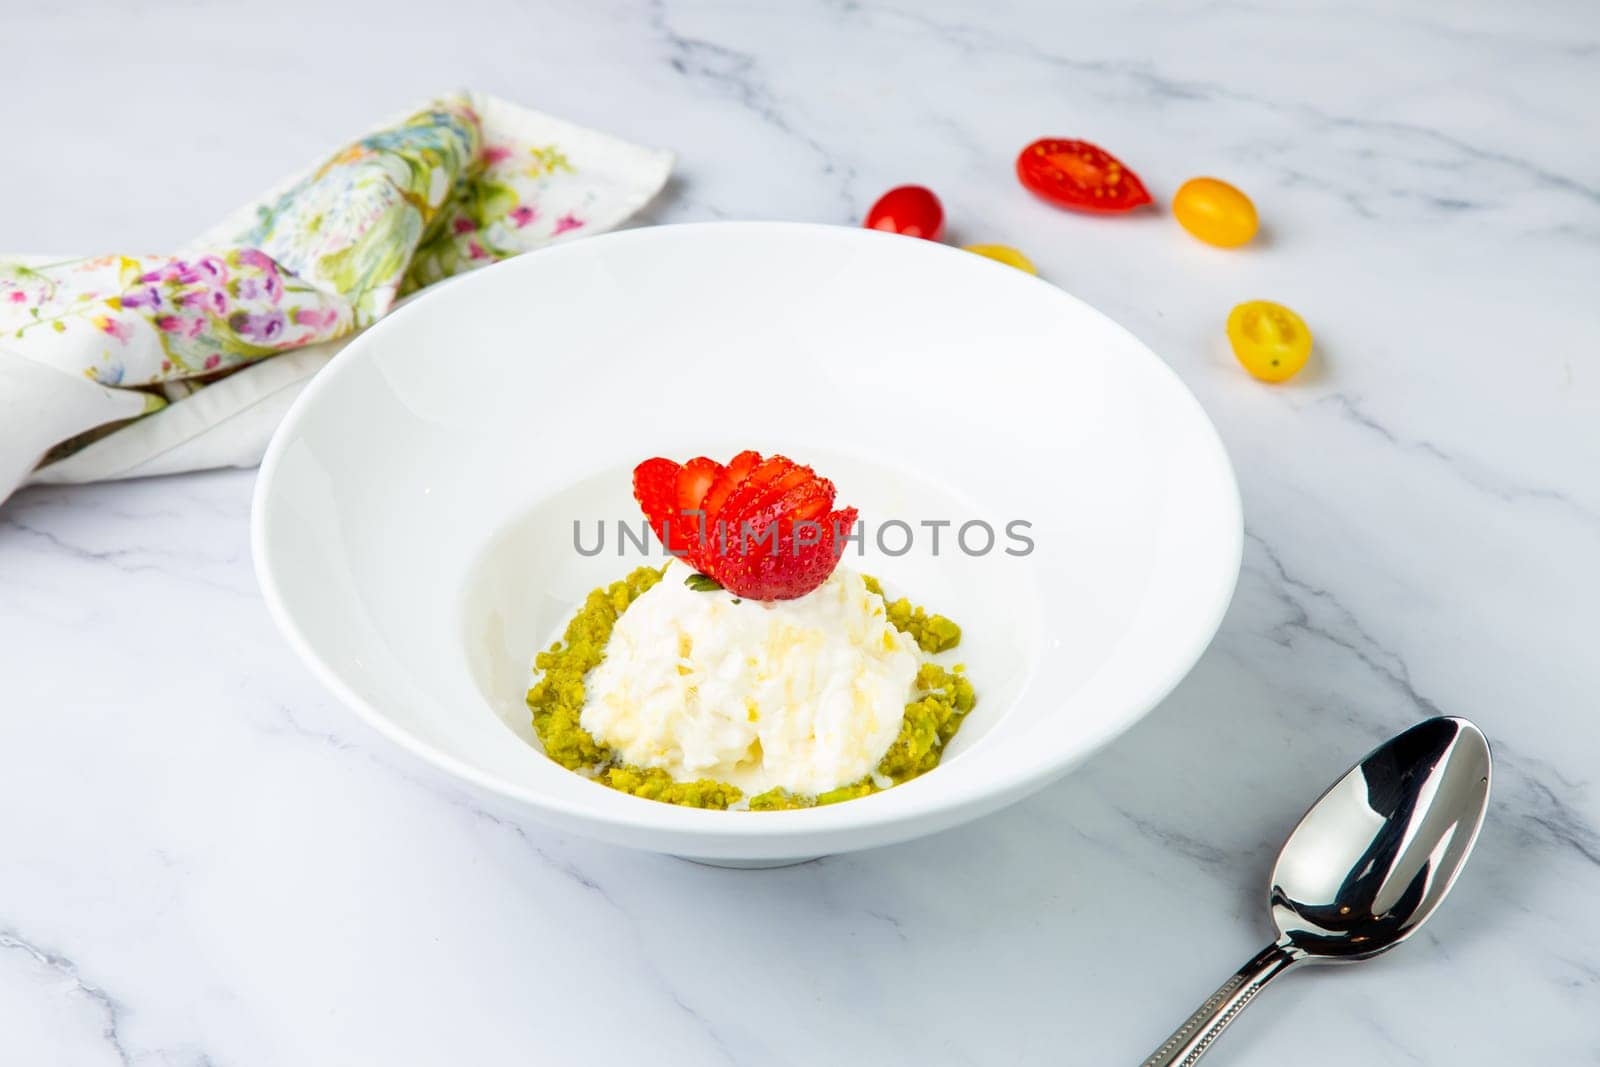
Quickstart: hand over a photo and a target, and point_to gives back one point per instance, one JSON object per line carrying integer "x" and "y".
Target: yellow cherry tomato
{"x": 1215, "y": 212}
{"x": 1270, "y": 340}
{"x": 1003, "y": 254}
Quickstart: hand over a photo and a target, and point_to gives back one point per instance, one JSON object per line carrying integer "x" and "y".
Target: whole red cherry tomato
{"x": 1077, "y": 175}
{"x": 910, "y": 210}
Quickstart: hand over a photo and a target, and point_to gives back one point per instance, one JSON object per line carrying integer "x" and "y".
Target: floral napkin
{"x": 127, "y": 365}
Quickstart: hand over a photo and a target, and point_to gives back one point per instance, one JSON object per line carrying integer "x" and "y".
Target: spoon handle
{"x": 1191, "y": 1040}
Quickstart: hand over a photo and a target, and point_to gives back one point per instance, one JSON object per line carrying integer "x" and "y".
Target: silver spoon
{"x": 1366, "y": 866}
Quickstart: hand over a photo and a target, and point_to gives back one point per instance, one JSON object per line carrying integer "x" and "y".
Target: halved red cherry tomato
{"x": 1077, "y": 175}
{"x": 910, "y": 210}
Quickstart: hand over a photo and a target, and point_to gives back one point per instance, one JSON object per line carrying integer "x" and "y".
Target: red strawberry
{"x": 694, "y": 479}
{"x": 760, "y": 489}
{"x": 738, "y": 468}
{"x": 655, "y": 487}
{"x": 810, "y": 499}
{"x": 771, "y": 531}
{"x": 792, "y": 569}
{"x": 797, "y": 495}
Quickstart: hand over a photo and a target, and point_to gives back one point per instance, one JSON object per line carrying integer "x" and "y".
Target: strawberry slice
{"x": 725, "y": 531}
{"x": 773, "y": 501}
{"x": 771, "y": 531}
{"x": 806, "y": 501}
{"x": 760, "y": 475}
{"x": 760, "y": 490}
{"x": 738, "y": 468}
{"x": 694, "y": 479}
{"x": 797, "y": 496}
{"x": 756, "y": 504}
{"x": 796, "y": 565}
{"x": 655, "y": 487}
{"x": 813, "y": 509}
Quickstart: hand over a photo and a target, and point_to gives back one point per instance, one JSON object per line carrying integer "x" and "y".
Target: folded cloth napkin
{"x": 121, "y": 366}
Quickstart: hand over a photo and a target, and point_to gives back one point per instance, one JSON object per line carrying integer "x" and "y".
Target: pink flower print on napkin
{"x": 262, "y": 328}
{"x": 316, "y": 318}
{"x": 115, "y": 327}
{"x": 566, "y": 222}
{"x": 147, "y": 296}
{"x": 259, "y": 277}
{"x": 211, "y": 270}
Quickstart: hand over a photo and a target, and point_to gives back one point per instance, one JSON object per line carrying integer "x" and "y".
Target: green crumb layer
{"x": 557, "y": 698}
{"x": 783, "y": 800}
{"x": 933, "y": 633}
{"x": 557, "y": 704}
{"x": 656, "y": 784}
{"x": 930, "y": 723}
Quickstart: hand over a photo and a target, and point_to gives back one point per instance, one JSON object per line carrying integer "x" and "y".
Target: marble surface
{"x": 204, "y": 860}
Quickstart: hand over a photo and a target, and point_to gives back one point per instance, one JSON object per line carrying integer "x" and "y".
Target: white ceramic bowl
{"x": 413, "y": 521}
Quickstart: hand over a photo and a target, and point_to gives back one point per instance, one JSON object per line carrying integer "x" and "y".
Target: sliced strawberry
{"x": 771, "y": 531}
{"x": 808, "y": 500}
{"x": 773, "y": 500}
{"x": 655, "y": 487}
{"x": 753, "y": 508}
{"x": 812, "y": 509}
{"x": 737, "y": 504}
{"x": 738, "y": 468}
{"x": 694, "y": 478}
{"x": 795, "y": 565}
{"x": 798, "y": 495}
{"x": 766, "y": 484}
{"x": 761, "y": 475}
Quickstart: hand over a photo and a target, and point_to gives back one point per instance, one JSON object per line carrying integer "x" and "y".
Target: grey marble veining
{"x": 204, "y": 860}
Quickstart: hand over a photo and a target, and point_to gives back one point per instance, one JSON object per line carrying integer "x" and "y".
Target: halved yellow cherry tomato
{"x": 1215, "y": 212}
{"x": 1270, "y": 340}
{"x": 1004, "y": 254}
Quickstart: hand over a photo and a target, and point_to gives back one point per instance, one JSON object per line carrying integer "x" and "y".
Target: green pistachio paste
{"x": 945, "y": 697}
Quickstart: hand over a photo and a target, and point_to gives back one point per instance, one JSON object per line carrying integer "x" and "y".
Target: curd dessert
{"x": 743, "y": 677}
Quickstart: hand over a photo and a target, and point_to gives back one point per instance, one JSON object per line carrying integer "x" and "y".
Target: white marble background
{"x": 204, "y": 860}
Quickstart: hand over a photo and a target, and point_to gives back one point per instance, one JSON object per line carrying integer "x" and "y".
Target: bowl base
{"x": 749, "y": 865}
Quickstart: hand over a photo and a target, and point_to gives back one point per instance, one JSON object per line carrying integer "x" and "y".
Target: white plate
{"x": 413, "y": 521}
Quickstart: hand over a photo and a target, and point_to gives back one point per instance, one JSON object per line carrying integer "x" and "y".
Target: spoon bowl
{"x": 1374, "y": 856}
{"x": 1366, "y": 866}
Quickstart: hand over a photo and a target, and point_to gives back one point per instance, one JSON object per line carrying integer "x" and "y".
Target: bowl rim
{"x": 945, "y": 807}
